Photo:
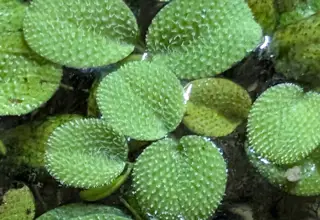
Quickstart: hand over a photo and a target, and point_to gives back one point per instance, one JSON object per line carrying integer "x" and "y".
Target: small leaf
{"x": 283, "y": 124}
{"x": 86, "y": 153}
{"x": 81, "y": 34}
{"x": 18, "y": 204}
{"x": 199, "y": 39}
{"x": 180, "y": 180}
{"x": 78, "y": 211}
{"x": 26, "y": 80}
{"x": 215, "y": 107}
{"x": 141, "y": 100}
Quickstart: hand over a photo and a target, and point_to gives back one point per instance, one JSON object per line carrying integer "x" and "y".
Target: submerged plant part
{"x": 215, "y": 106}
{"x": 86, "y": 153}
{"x": 142, "y": 100}
{"x": 279, "y": 127}
{"x": 183, "y": 179}
{"x": 300, "y": 178}
{"x": 81, "y": 34}
{"x": 78, "y": 211}
{"x": 17, "y": 204}
{"x": 196, "y": 39}
{"x": 296, "y": 50}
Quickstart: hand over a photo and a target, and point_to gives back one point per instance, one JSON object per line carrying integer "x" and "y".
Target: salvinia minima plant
{"x": 283, "y": 138}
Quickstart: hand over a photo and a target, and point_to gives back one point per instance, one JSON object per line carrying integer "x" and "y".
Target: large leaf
{"x": 202, "y": 38}
{"x": 142, "y": 100}
{"x": 86, "y": 153}
{"x": 283, "y": 124}
{"x": 215, "y": 106}
{"x": 26, "y": 80}
{"x": 180, "y": 180}
{"x": 80, "y": 33}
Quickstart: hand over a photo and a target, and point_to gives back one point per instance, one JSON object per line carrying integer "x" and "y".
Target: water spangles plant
{"x": 179, "y": 179}
{"x": 17, "y": 204}
{"x": 81, "y": 34}
{"x": 283, "y": 124}
{"x": 215, "y": 106}
{"x": 142, "y": 100}
{"x": 79, "y": 211}
{"x": 196, "y": 39}
{"x": 12, "y": 12}
{"x": 86, "y": 153}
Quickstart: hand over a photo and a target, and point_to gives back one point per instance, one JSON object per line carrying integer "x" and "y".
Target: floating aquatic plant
{"x": 283, "y": 124}
{"x": 26, "y": 80}
{"x": 17, "y": 204}
{"x": 80, "y": 34}
{"x": 182, "y": 179}
{"x": 215, "y": 106}
{"x": 196, "y": 39}
{"x": 142, "y": 100}
{"x": 86, "y": 153}
{"x": 81, "y": 211}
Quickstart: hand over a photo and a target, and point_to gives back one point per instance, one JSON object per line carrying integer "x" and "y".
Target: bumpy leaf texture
{"x": 180, "y": 180}
{"x": 202, "y": 38}
{"x": 17, "y": 204}
{"x": 215, "y": 106}
{"x": 304, "y": 180}
{"x": 78, "y": 211}
{"x": 12, "y": 12}
{"x": 142, "y": 100}
{"x": 283, "y": 124}
{"x": 86, "y": 153}
{"x": 80, "y": 33}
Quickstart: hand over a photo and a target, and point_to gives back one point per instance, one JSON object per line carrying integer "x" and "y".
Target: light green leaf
{"x": 197, "y": 39}
{"x": 78, "y": 211}
{"x": 180, "y": 180}
{"x": 11, "y": 15}
{"x": 283, "y": 124}
{"x": 81, "y": 33}
{"x": 17, "y": 204}
{"x": 86, "y": 153}
{"x": 215, "y": 107}
{"x": 26, "y": 80}
{"x": 142, "y": 100}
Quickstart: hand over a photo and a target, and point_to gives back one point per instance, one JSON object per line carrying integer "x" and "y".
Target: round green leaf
{"x": 86, "y": 153}
{"x": 17, "y": 204}
{"x": 78, "y": 211}
{"x": 301, "y": 178}
{"x": 26, "y": 80}
{"x": 142, "y": 100}
{"x": 11, "y": 15}
{"x": 180, "y": 180}
{"x": 202, "y": 38}
{"x": 80, "y": 33}
{"x": 215, "y": 106}
{"x": 283, "y": 124}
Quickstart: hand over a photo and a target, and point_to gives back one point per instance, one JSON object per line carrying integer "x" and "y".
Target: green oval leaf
{"x": 180, "y": 180}
{"x": 86, "y": 153}
{"x": 215, "y": 106}
{"x": 80, "y": 211}
{"x": 283, "y": 124}
{"x": 80, "y": 34}
{"x": 142, "y": 100}
{"x": 200, "y": 39}
{"x": 26, "y": 80}
{"x": 17, "y": 204}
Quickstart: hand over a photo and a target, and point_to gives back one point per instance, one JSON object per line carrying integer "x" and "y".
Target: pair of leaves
{"x": 26, "y": 80}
